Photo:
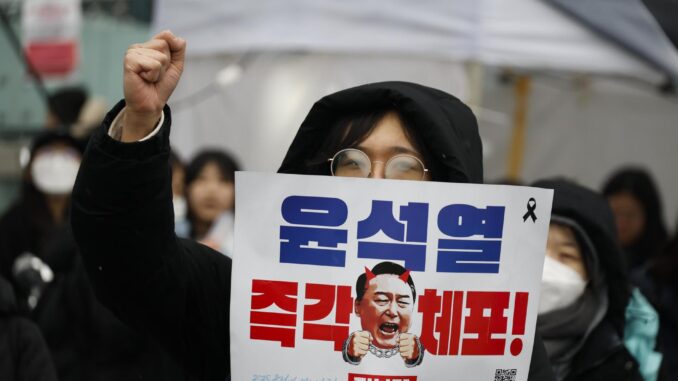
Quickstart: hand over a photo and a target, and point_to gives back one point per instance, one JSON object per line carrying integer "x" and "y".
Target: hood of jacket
{"x": 592, "y": 212}
{"x": 445, "y": 124}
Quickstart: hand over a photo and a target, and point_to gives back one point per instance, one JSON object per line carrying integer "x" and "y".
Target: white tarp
{"x": 519, "y": 33}
{"x": 468, "y": 303}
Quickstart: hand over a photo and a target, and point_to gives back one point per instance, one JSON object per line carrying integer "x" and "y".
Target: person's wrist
{"x": 137, "y": 125}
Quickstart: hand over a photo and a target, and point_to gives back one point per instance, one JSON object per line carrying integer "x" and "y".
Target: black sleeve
{"x": 123, "y": 222}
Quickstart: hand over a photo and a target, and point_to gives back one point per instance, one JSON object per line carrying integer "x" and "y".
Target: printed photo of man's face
{"x": 385, "y": 309}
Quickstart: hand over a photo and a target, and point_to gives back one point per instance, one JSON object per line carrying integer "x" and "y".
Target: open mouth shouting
{"x": 389, "y": 328}
{"x": 387, "y": 335}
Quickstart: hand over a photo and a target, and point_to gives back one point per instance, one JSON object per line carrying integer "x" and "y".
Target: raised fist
{"x": 409, "y": 349}
{"x": 359, "y": 344}
{"x": 151, "y": 72}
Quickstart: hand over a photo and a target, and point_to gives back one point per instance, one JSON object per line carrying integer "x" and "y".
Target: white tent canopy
{"x": 519, "y": 33}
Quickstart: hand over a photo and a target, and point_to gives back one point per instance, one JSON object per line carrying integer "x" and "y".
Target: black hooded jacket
{"x": 603, "y": 356}
{"x": 180, "y": 290}
{"x": 446, "y": 125}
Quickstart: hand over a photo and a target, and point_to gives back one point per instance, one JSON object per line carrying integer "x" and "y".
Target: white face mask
{"x": 180, "y": 208}
{"x": 560, "y": 286}
{"x": 54, "y": 172}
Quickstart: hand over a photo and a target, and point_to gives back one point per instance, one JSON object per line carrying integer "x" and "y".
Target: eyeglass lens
{"x": 351, "y": 163}
{"x": 355, "y": 163}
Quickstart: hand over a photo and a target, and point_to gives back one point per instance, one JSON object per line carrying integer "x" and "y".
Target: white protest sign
{"x": 357, "y": 279}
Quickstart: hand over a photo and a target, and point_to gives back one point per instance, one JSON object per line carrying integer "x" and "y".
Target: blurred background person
{"x": 584, "y": 292}
{"x": 637, "y": 208}
{"x": 210, "y": 197}
{"x": 659, "y": 281}
{"x": 32, "y": 233}
{"x": 64, "y": 106}
{"x": 72, "y": 109}
{"x": 39, "y": 217}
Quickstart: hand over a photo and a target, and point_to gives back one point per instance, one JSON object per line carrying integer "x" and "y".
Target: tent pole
{"x": 517, "y": 148}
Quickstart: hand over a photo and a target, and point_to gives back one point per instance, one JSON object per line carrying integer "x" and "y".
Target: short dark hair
{"x": 66, "y": 104}
{"x": 379, "y": 269}
{"x": 226, "y": 163}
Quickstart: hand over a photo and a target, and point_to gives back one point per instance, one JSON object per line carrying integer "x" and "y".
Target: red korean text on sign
{"x": 447, "y": 325}
{"x": 372, "y": 377}
{"x": 274, "y": 326}
{"x": 484, "y": 324}
{"x": 329, "y": 298}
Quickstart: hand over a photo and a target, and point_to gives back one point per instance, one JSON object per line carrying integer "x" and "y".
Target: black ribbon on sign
{"x": 531, "y": 206}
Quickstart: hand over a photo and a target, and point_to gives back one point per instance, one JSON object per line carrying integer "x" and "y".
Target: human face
{"x": 385, "y": 309}
{"x": 629, "y": 216}
{"x": 388, "y": 139}
{"x": 562, "y": 246}
{"x": 54, "y": 168}
{"x": 209, "y": 195}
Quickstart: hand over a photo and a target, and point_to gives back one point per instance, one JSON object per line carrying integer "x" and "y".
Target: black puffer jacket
{"x": 180, "y": 290}
{"x": 603, "y": 356}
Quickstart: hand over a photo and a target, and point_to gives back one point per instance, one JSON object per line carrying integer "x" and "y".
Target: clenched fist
{"x": 152, "y": 71}
{"x": 409, "y": 349}
{"x": 359, "y": 344}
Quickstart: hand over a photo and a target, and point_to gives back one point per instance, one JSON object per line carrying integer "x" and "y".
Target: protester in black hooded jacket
{"x": 584, "y": 337}
{"x": 122, "y": 204}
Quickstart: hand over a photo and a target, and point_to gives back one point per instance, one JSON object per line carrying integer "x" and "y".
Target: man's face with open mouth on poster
{"x": 385, "y": 310}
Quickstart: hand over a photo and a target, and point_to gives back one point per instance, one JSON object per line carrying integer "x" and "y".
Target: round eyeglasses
{"x": 351, "y": 162}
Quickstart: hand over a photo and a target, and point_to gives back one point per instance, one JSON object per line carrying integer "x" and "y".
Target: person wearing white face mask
{"x": 40, "y": 213}
{"x": 35, "y": 225}
{"x": 584, "y": 290}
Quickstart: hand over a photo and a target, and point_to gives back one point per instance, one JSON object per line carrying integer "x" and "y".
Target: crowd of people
{"x": 128, "y": 294}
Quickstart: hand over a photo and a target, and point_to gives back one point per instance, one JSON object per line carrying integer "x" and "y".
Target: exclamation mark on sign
{"x": 519, "y": 315}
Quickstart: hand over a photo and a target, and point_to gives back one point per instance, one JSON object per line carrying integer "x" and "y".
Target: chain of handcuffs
{"x": 384, "y": 353}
